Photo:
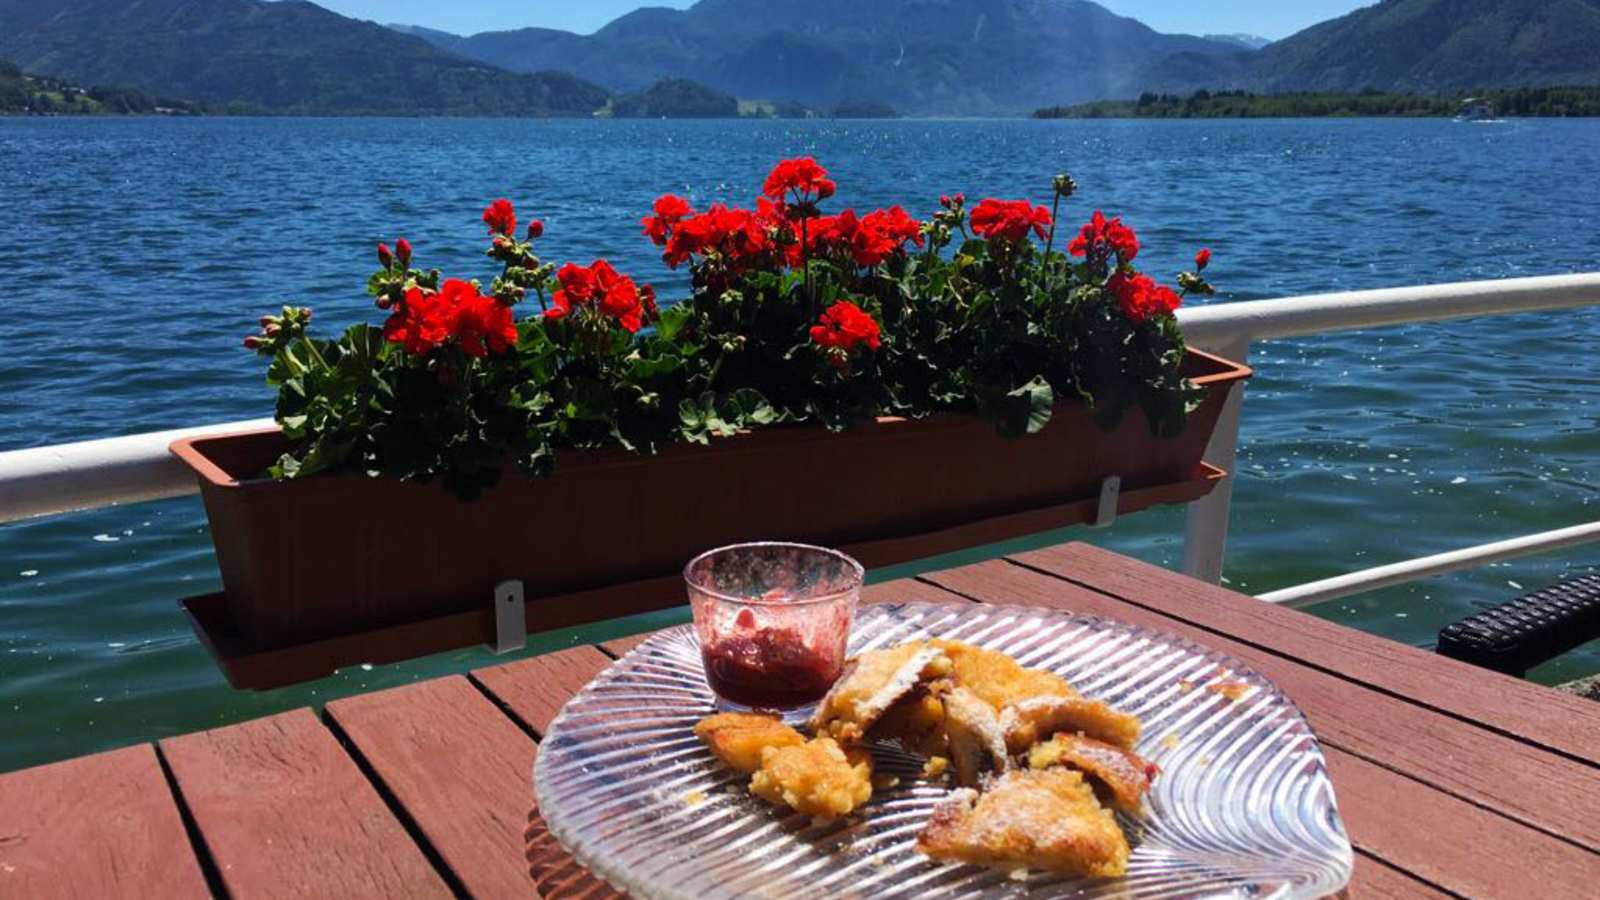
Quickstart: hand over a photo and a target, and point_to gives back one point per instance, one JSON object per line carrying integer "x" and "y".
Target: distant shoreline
{"x": 1546, "y": 102}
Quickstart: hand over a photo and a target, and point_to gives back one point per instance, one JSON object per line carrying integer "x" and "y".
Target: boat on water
{"x": 1477, "y": 109}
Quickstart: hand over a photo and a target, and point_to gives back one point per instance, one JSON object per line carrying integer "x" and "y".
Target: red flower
{"x": 599, "y": 287}
{"x": 1100, "y": 234}
{"x": 1202, "y": 259}
{"x": 807, "y": 180}
{"x": 501, "y": 217}
{"x": 881, "y": 234}
{"x": 1009, "y": 220}
{"x": 535, "y": 230}
{"x": 670, "y": 210}
{"x": 483, "y": 325}
{"x": 426, "y": 320}
{"x": 738, "y": 235}
{"x": 1140, "y": 298}
{"x": 825, "y": 236}
{"x": 845, "y": 326}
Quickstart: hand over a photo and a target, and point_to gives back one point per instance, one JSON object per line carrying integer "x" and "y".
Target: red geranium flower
{"x": 803, "y": 176}
{"x": 1202, "y": 259}
{"x": 1009, "y": 220}
{"x": 483, "y": 325}
{"x": 670, "y": 210}
{"x": 845, "y": 326}
{"x": 882, "y": 233}
{"x": 824, "y": 236}
{"x": 599, "y": 287}
{"x": 426, "y": 320}
{"x": 501, "y": 217}
{"x": 1099, "y": 234}
{"x": 420, "y": 323}
{"x": 739, "y": 235}
{"x": 1141, "y": 299}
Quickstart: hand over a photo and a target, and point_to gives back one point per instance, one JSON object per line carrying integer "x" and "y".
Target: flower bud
{"x": 264, "y": 321}
{"x": 944, "y": 200}
{"x": 253, "y": 342}
{"x": 535, "y": 230}
{"x": 385, "y": 258}
{"x": 1202, "y": 259}
{"x": 960, "y": 199}
{"x": 1064, "y": 185}
{"x": 271, "y": 329}
{"x": 403, "y": 250}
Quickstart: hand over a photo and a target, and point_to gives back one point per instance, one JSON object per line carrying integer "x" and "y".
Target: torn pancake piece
{"x": 818, "y": 778}
{"x": 1124, "y": 775}
{"x": 1028, "y": 721}
{"x": 738, "y": 738}
{"x": 977, "y": 743}
{"x": 1046, "y": 819}
{"x": 872, "y": 682}
{"x": 916, "y": 720}
{"x": 1000, "y": 680}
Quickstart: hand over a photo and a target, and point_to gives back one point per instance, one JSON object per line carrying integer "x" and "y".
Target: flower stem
{"x": 316, "y": 354}
{"x": 805, "y": 260}
{"x": 1050, "y": 242}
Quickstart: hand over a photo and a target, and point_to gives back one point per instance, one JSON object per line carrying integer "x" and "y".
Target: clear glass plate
{"x": 1243, "y": 806}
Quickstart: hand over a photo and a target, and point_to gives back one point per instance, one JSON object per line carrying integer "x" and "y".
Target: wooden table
{"x": 1452, "y": 780}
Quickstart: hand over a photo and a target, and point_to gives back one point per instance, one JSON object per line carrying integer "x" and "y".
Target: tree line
{"x": 1203, "y": 104}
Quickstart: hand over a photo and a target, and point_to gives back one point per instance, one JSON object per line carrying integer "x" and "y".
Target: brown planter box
{"x": 306, "y": 561}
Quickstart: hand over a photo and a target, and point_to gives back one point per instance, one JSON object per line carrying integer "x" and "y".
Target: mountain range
{"x": 1436, "y": 46}
{"x": 280, "y": 57}
{"x": 922, "y": 57}
{"x": 955, "y": 57}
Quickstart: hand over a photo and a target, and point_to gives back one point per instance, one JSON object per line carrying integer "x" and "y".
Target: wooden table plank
{"x": 1445, "y": 840}
{"x": 535, "y": 689}
{"x": 285, "y": 812}
{"x": 460, "y": 768}
{"x": 1541, "y": 788}
{"x": 1529, "y": 711}
{"x": 1374, "y": 878}
{"x": 98, "y": 826}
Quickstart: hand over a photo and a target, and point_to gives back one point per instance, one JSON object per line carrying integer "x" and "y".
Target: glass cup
{"x": 773, "y": 621}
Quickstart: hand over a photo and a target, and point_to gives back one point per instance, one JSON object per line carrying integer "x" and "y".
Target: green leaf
{"x": 673, "y": 318}
{"x": 1040, "y": 399}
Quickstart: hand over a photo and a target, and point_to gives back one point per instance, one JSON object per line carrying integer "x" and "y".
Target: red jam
{"x": 768, "y": 668}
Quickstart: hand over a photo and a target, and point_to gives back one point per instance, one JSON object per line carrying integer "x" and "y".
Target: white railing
{"x": 48, "y": 480}
{"x": 1427, "y": 566}
{"x": 1228, "y": 329}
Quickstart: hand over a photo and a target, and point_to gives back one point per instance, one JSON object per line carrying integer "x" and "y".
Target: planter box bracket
{"x": 510, "y": 617}
{"x": 1110, "y": 493}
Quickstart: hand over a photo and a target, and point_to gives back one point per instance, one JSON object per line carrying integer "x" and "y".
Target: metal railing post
{"x": 1205, "y": 528}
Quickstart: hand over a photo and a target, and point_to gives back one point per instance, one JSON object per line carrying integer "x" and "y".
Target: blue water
{"x": 139, "y": 251}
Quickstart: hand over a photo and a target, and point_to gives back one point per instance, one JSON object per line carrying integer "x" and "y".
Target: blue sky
{"x": 1268, "y": 18}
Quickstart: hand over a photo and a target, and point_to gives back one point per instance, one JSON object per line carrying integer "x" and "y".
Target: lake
{"x": 142, "y": 250}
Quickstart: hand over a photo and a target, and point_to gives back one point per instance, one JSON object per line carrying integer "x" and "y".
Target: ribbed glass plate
{"x": 1243, "y": 806}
